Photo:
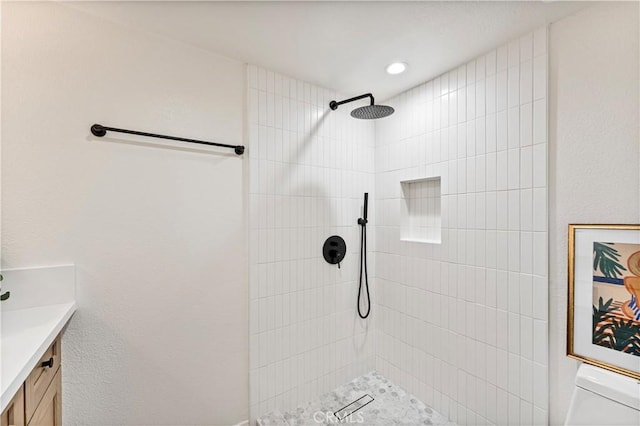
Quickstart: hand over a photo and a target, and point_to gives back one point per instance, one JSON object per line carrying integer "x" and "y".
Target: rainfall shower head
{"x": 368, "y": 112}
{"x": 371, "y": 112}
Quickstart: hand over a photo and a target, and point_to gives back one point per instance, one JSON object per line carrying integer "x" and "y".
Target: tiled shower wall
{"x": 308, "y": 169}
{"x": 463, "y": 324}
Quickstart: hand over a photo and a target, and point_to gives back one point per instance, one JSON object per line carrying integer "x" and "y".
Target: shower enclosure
{"x": 457, "y": 245}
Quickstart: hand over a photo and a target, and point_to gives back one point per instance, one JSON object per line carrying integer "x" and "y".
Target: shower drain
{"x": 348, "y": 410}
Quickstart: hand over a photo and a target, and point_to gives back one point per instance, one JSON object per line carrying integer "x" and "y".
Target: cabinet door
{"x": 49, "y": 412}
{"x": 38, "y": 381}
{"x": 14, "y": 413}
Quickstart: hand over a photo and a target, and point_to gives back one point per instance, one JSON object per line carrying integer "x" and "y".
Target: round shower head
{"x": 371, "y": 112}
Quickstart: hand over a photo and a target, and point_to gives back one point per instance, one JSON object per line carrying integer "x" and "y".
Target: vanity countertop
{"x": 41, "y": 302}
{"x": 26, "y": 335}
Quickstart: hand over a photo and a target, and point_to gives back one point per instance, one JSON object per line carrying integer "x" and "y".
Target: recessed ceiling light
{"x": 396, "y": 68}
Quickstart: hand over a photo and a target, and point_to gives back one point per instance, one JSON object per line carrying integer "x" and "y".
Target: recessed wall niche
{"x": 421, "y": 219}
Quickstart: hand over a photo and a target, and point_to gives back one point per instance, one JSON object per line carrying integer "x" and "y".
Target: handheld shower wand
{"x": 363, "y": 259}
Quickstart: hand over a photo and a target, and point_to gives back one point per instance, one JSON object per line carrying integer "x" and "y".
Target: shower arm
{"x": 334, "y": 105}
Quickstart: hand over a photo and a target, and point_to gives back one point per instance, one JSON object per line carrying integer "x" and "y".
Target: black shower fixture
{"x": 334, "y": 249}
{"x": 368, "y": 112}
{"x": 363, "y": 261}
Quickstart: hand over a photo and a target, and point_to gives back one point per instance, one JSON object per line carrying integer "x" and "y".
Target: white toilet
{"x": 601, "y": 397}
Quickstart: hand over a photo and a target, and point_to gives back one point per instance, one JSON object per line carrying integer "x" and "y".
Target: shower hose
{"x": 363, "y": 267}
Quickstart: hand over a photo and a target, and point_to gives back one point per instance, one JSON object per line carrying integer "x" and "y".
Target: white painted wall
{"x": 594, "y": 149}
{"x": 309, "y": 168}
{"x": 156, "y": 231}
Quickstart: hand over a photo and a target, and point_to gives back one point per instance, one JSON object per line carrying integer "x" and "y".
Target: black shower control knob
{"x": 334, "y": 250}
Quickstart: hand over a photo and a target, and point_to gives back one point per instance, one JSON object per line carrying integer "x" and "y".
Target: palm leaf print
{"x": 606, "y": 258}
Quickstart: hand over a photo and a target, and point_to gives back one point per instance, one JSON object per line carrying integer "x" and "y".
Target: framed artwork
{"x": 603, "y": 323}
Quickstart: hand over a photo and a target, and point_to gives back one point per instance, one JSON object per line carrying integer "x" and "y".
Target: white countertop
{"x": 41, "y": 303}
{"x": 26, "y": 335}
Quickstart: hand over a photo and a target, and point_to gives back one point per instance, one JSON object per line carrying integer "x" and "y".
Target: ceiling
{"x": 340, "y": 45}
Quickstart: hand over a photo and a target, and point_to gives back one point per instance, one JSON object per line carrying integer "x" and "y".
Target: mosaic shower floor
{"x": 391, "y": 405}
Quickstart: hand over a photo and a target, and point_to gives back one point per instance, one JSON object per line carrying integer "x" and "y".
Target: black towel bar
{"x": 100, "y": 130}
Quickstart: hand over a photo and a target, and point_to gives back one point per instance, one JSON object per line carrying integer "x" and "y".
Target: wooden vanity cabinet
{"x": 39, "y": 400}
{"x": 14, "y": 413}
{"x": 49, "y": 409}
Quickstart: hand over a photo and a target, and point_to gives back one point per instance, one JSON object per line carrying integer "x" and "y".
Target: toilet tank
{"x": 602, "y": 397}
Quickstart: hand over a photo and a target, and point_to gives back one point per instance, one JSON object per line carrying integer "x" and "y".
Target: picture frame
{"x": 603, "y": 317}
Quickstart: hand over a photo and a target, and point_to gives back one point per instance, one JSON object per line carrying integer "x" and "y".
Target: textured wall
{"x": 594, "y": 149}
{"x": 155, "y": 229}
{"x": 463, "y": 324}
{"x": 309, "y": 167}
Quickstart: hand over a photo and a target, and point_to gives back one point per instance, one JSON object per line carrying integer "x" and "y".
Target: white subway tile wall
{"x": 463, "y": 324}
{"x": 308, "y": 169}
